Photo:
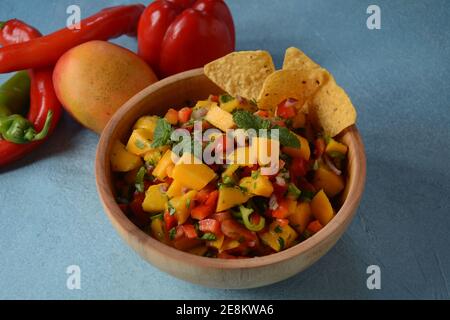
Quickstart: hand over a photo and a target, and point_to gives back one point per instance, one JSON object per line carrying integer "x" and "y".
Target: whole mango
{"x": 96, "y": 78}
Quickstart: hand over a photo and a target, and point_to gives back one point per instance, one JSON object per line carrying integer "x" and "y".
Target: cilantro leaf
{"x": 225, "y": 98}
{"x": 162, "y": 134}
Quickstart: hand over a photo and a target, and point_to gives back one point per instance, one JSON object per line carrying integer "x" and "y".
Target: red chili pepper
{"x": 178, "y": 35}
{"x": 43, "y": 97}
{"x": 45, "y": 51}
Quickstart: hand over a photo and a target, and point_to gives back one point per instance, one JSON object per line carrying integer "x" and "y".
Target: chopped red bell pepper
{"x": 189, "y": 231}
{"x": 169, "y": 220}
{"x": 282, "y": 211}
{"x": 286, "y": 108}
{"x": 210, "y": 226}
{"x": 184, "y": 115}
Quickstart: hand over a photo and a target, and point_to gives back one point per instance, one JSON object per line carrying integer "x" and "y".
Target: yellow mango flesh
{"x": 230, "y": 106}
{"x": 272, "y": 237}
{"x": 261, "y": 186}
{"x": 193, "y": 176}
{"x": 182, "y": 205}
{"x": 327, "y": 180}
{"x": 157, "y": 230}
{"x": 230, "y": 197}
{"x": 147, "y": 123}
{"x": 334, "y": 146}
{"x": 301, "y": 217}
{"x": 220, "y": 118}
{"x": 154, "y": 155}
{"x": 321, "y": 208}
{"x": 242, "y": 157}
{"x": 175, "y": 189}
{"x": 217, "y": 243}
{"x": 160, "y": 171}
{"x": 230, "y": 170}
{"x": 122, "y": 160}
{"x": 139, "y": 142}
{"x": 303, "y": 152}
{"x": 155, "y": 199}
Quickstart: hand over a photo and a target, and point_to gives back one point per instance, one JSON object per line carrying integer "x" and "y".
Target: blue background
{"x": 398, "y": 78}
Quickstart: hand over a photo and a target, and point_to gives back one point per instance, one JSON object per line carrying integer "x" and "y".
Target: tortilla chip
{"x": 297, "y": 84}
{"x": 241, "y": 73}
{"x": 332, "y": 109}
{"x": 296, "y": 59}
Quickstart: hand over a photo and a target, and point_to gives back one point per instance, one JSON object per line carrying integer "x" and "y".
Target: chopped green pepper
{"x": 246, "y": 212}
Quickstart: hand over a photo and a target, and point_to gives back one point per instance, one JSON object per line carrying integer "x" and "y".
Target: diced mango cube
{"x": 335, "y": 147}
{"x": 157, "y": 230}
{"x": 155, "y": 198}
{"x": 279, "y": 237}
{"x": 301, "y": 217}
{"x": 205, "y": 104}
{"x": 160, "y": 171}
{"x": 329, "y": 181}
{"x": 175, "y": 189}
{"x": 230, "y": 197}
{"x": 220, "y": 118}
{"x": 321, "y": 208}
{"x": 258, "y": 186}
{"x": 148, "y": 123}
{"x": 193, "y": 176}
{"x": 303, "y": 152}
{"x": 122, "y": 160}
{"x": 139, "y": 142}
{"x": 231, "y": 105}
{"x": 182, "y": 206}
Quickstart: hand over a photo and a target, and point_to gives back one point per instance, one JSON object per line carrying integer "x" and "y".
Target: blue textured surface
{"x": 399, "y": 79}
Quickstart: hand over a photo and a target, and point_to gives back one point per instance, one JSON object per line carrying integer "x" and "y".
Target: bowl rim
{"x": 135, "y": 234}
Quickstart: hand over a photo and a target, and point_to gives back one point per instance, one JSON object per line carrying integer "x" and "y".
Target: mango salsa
{"x": 257, "y": 185}
{"x": 279, "y": 237}
{"x": 160, "y": 171}
{"x": 230, "y": 197}
{"x": 139, "y": 142}
{"x": 122, "y": 160}
{"x": 329, "y": 181}
{"x": 193, "y": 176}
{"x": 220, "y": 118}
{"x": 155, "y": 198}
{"x": 321, "y": 208}
{"x": 304, "y": 151}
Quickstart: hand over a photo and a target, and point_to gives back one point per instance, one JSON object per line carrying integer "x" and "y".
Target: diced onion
{"x": 331, "y": 165}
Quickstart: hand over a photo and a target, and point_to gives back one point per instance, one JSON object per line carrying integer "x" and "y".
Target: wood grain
{"x": 219, "y": 273}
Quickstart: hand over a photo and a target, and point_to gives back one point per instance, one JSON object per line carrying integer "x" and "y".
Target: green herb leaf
{"x": 139, "y": 182}
{"x": 172, "y": 233}
{"x": 287, "y": 138}
{"x": 188, "y": 203}
{"x": 208, "y": 237}
{"x": 281, "y": 243}
{"x": 255, "y": 175}
{"x": 225, "y": 98}
{"x": 158, "y": 216}
{"x": 139, "y": 144}
{"x": 293, "y": 191}
{"x": 307, "y": 195}
{"x": 278, "y": 229}
{"x": 162, "y": 134}
{"x": 246, "y": 120}
{"x": 172, "y": 210}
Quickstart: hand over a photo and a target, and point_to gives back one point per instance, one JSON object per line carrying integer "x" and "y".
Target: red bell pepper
{"x": 178, "y": 35}
{"x": 210, "y": 226}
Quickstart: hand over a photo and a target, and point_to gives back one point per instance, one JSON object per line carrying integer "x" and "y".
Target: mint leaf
{"x": 288, "y": 138}
{"x": 246, "y": 120}
{"x": 162, "y": 134}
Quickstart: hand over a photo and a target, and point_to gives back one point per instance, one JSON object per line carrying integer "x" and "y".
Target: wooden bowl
{"x": 219, "y": 273}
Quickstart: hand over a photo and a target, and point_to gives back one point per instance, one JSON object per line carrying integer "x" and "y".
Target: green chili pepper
{"x": 15, "y": 95}
{"x": 246, "y": 212}
{"x": 17, "y": 129}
